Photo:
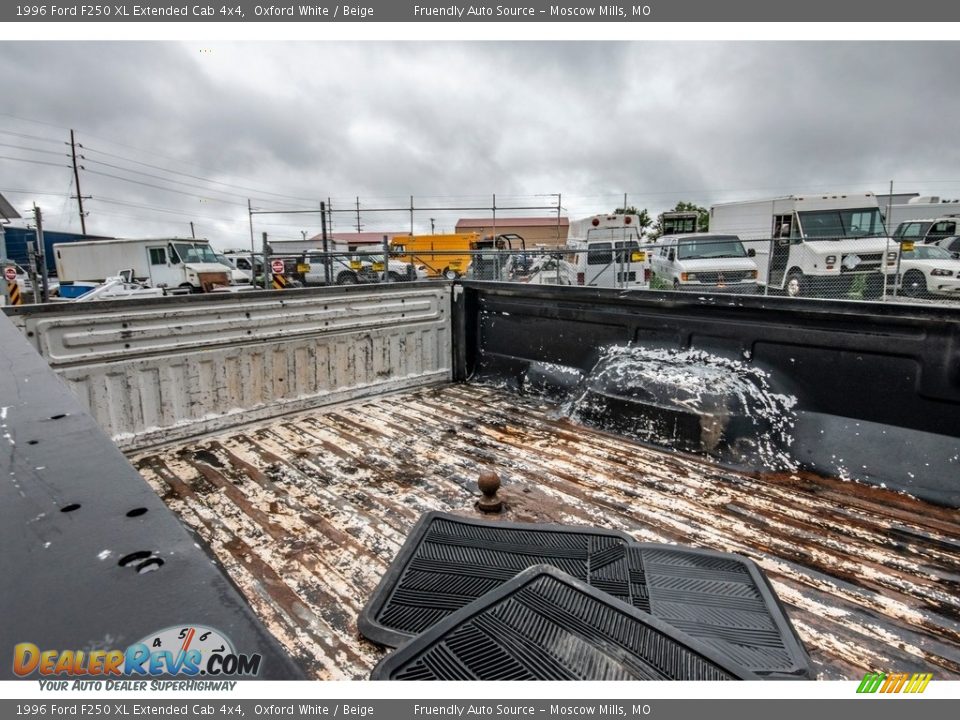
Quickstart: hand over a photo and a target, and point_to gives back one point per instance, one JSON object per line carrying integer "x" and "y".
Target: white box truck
{"x": 813, "y": 245}
{"x": 190, "y": 265}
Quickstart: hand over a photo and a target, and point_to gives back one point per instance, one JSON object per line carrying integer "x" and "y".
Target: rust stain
{"x": 306, "y": 513}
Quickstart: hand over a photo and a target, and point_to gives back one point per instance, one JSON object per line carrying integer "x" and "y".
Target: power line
{"x": 36, "y": 122}
{"x": 158, "y": 187}
{"x": 29, "y": 149}
{"x": 190, "y": 215}
{"x": 155, "y": 177}
{"x": 141, "y": 150}
{"x": 155, "y": 208}
{"x": 33, "y": 192}
{"x": 30, "y": 137}
{"x": 195, "y": 177}
{"x": 158, "y": 177}
{"x": 33, "y": 162}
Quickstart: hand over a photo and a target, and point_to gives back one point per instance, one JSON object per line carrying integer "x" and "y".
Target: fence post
{"x": 267, "y": 273}
{"x": 32, "y": 269}
{"x": 3, "y": 261}
{"x": 766, "y": 285}
{"x": 386, "y": 259}
{"x": 42, "y": 256}
{"x": 883, "y": 269}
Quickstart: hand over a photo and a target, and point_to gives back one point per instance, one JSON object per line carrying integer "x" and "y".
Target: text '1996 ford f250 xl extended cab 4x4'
{"x": 255, "y": 464}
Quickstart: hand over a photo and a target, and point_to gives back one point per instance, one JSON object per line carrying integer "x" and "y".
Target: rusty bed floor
{"x": 307, "y": 511}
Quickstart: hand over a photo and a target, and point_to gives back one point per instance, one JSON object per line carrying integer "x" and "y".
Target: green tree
{"x": 643, "y": 216}
{"x": 703, "y": 215}
{"x": 703, "y": 218}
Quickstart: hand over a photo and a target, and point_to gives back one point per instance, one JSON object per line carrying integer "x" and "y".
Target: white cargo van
{"x": 606, "y": 252}
{"x": 705, "y": 261}
{"x": 813, "y": 245}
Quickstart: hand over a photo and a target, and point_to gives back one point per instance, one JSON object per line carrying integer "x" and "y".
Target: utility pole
{"x": 42, "y": 255}
{"x": 358, "y": 214}
{"x": 432, "y": 231}
{"x": 76, "y": 179}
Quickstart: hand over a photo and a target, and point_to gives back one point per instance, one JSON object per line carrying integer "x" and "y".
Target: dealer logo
{"x": 184, "y": 650}
{"x": 894, "y": 683}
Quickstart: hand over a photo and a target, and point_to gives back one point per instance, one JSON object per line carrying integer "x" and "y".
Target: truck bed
{"x": 306, "y": 512}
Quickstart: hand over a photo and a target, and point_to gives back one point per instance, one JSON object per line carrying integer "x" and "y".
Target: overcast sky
{"x": 290, "y": 123}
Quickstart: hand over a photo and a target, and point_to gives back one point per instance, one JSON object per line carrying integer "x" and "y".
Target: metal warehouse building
{"x": 550, "y": 231}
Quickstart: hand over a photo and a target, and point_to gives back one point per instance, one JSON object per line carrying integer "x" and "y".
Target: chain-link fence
{"x": 874, "y": 269}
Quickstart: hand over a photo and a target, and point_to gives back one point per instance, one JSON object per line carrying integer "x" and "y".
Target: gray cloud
{"x": 456, "y": 122}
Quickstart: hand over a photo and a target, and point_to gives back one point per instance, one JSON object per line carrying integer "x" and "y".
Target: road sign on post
{"x": 10, "y": 273}
{"x": 276, "y": 267}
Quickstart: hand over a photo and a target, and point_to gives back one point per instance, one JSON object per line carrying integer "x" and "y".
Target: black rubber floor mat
{"x": 722, "y": 599}
{"x": 449, "y": 561}
{"x": 546, "y": 625}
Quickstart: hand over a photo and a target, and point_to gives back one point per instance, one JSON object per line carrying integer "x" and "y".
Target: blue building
{"x": 18, "y": 237}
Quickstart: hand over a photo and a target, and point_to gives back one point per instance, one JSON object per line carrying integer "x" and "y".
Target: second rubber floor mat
{"x": 546, "y": 625}
{"x": 722, "y": 599}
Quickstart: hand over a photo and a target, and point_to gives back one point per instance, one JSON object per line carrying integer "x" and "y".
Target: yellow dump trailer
{"x": 446, "y": 255}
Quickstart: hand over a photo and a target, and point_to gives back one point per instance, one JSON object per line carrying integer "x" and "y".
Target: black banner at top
{"x": 523, "y": 11}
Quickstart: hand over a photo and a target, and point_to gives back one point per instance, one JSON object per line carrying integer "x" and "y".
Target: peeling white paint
{"x": 324, "y": 499}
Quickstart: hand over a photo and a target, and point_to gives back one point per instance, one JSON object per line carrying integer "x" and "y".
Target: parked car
{"x": 951, "y": 245}
{"x": 928, "y": 231}
{"x": 240, "y": 276}
{"x": 346, "y": 269}
{"x": 927, "y": 270}
{"x": 241, "y": 261}
{"x": 705, "y": 261}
